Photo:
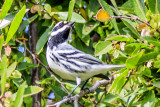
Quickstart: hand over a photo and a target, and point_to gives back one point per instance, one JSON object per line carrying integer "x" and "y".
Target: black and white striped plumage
{"x": 68, "y": 62}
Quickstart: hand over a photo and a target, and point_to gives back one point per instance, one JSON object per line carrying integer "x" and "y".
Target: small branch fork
{"x": 35, "y": 57}
{"x": 81, "y": 94}
{"x": 134, "y": 18}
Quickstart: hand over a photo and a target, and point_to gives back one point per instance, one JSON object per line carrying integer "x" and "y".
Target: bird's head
{"x": 60, "y": 33}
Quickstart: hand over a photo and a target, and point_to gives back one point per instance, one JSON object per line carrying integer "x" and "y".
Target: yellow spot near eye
{"x": 102, "y": 16}
{"x": 65, "y": 22}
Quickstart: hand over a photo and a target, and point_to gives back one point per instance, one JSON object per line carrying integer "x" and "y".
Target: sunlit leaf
{"x": 3, "y": 73}
{"x": 75, "y": 17}
{"x": 89, "y": 27}
{"x": 133, "y": 61}
{"x": 5, "y": 8}
{"x": 11, "y": 68}
{"x": 15, "y": 23}
{"x": 139, "y": 9}
{"x": 31, "y": 90}
{"x": 103, "y": 47}
{"x": 149, "y": 99}
{"x": 47, "y": 7}
{"x": 119, "y": 82}
{"x": 70, "y": 10}
{"x": 19, "y": 97}
{"x": 1, "y": 41}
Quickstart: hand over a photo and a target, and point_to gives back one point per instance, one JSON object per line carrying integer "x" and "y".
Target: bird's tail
{"x": 114, "y": 67}
{"x": 107, "y": 68}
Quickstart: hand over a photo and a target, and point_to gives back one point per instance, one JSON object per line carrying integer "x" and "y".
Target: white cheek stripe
{"x": 59, "y": 30}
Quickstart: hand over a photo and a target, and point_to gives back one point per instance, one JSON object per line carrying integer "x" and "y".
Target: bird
{"x": 70, "y": 63}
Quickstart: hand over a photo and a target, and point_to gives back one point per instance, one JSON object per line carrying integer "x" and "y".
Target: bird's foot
{"x": 70, "y": 100}
{"x": 85, "y": 90}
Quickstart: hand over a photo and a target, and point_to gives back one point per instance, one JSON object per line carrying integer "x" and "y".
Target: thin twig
{"x": 35, "y": 57}
{"x": 101, "y": 97}
{"x": 134, "y": 18}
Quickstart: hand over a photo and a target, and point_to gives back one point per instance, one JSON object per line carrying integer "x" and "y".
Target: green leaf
{"x": 84, "y": 38}
{"x": 130, "y": 25}
{"x": 75, "y": 17}
{"x": 19, "y": 96}
{"x": 16, "y": 74}
{"x": 58, "y": 92}
{"x": 42, "y": 40}
{"x": 1, "y": 41}
{"x": 93, "y": 7}
{"x": 107, "y": 8}
{"x": 25, "y": 65}
{"x": 48, "y": 8}
{"x": 139, "y": 9}
{"x": 11, "y": 68}
{"x": 109, "y": 98}
{"x": 5, "y": 8}
{"x": 89, "y": 27}
{"x": 149, "y": 99}
{"x": 3, "y": 73}
{"x": 27, "y": 22}
{"x": 130, "y": 97}
{"x": 70, "y": 10}
{"x": 103, "y": 47}
{"x": 157, "y": 64}
{"x": 119, "y": 82}
{"x": 15, "y": 23}
{"x": 7, "y": 20}
{"x": 79, "y": 3}
{"x": 31, "y": 90}
{"x": 18, "y": 81}
{"x": 154, "y": 6}
{"x": 148, "y": 56}
{"x": 119, "y": 38}
{"x": 132, "y": 48}
{"x": 147, "y": 72}
{"x": 133, "y": 61}
{"x": 156, "y": 83}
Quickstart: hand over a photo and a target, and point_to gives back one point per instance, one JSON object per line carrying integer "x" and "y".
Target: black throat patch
{"x": 60, "y": 37}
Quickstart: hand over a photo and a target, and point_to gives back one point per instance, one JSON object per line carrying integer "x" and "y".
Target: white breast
{"x": 58, "y": 68}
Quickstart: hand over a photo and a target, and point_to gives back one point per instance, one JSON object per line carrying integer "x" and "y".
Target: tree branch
{"x": 81, "y": 94}
{"x": 134, "y": 18}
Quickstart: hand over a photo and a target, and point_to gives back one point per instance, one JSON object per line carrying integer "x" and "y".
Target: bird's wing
{"x": 75, "y": 59}
{"x": 70, "y": 53}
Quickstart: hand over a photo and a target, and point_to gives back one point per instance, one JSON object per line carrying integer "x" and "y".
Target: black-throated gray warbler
{"x": 70, "y": 63}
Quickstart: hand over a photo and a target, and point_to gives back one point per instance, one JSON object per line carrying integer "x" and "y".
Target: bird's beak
{"x": 71, "y": 23}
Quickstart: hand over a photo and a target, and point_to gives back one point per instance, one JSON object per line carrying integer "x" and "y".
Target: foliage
{"x": 125, "y": 41}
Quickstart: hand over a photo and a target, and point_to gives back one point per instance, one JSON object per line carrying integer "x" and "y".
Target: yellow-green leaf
{"x": 15, "y": 23}
{"x": 5, "y": 8}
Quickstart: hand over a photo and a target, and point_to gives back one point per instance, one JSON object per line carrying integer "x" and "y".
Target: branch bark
{"x": 80, "y": 95}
